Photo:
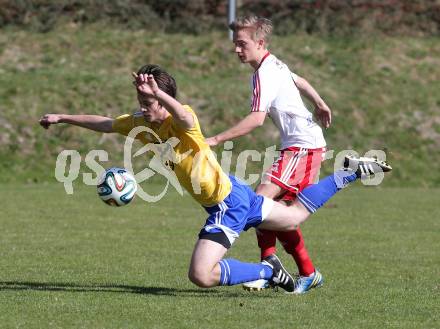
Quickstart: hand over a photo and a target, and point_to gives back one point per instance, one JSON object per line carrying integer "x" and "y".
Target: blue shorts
{"x": 239, "y": 211}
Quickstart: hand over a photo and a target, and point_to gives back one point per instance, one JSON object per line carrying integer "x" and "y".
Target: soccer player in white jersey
{"x": 276, "y": 92}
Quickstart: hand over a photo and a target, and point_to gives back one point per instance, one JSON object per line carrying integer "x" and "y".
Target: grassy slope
{"x": 383, "y": 91}
{"x": 73, "y": 262}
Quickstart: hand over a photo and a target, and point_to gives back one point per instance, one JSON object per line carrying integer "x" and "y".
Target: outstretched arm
{"x": 146, "y": 85}
{"x": 322, "y": 111}
{"x": 249, "y": 123}
{"x": 92, "y": 122}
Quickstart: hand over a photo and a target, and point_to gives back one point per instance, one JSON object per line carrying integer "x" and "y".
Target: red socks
{"x": 292, "y": 242}
{"x": 266, "y": 241}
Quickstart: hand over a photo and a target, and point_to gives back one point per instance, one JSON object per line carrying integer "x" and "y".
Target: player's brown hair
{"x": 164, "y": 81}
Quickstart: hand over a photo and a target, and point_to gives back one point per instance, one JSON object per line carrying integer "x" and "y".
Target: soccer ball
{"x": 117, "y": 187}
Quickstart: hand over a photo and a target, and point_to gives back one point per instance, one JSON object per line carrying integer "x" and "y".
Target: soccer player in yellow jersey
{"x": 232, "y": 206}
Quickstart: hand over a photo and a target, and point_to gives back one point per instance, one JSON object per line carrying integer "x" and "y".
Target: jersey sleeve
{"x": 195, "y": 129}
{"x": 264, "y": 90}
{"x": 123, "y": 124}
{"x": 294, "y": 76}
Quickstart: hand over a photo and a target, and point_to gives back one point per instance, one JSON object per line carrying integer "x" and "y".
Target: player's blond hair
{"x": 261, "y": 27}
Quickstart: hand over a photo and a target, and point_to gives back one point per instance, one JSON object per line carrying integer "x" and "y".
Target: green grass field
{"x": 73, "y": 262}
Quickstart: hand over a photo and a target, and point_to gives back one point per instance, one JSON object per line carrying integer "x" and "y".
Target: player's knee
{"x": 200, "y": 278}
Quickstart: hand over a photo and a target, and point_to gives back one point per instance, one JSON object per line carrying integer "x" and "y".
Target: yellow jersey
{"x": 185, "y": 152}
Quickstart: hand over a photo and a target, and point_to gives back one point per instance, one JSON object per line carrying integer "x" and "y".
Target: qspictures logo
{"x": 162, "y": 158}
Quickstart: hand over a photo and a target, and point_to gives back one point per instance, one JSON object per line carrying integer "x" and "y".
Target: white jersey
{"x": 274, "y": 91}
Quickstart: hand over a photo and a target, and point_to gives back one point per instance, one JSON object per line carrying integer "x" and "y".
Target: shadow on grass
{"x": 116, "y": 288}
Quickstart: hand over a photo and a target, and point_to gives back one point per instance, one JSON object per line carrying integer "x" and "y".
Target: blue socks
{"x": 235, "y": 272}
{"x": 314, "y": 196}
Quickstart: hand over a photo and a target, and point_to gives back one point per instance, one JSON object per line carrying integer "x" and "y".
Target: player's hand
{"x": 145, "y": 84}
{"x": 324, "y": 115}
{"x": 49, "y": 119}
{"x": 211, "y": 141}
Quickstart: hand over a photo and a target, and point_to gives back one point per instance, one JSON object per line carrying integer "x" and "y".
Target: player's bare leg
{"x": 204, "y": 270}
{"x": 284, "y": 218}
